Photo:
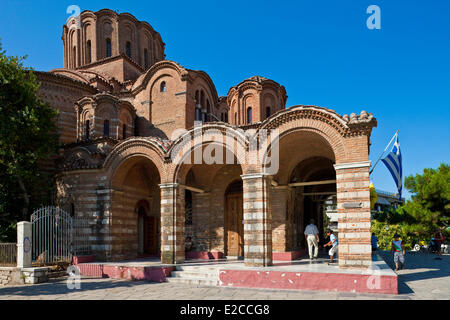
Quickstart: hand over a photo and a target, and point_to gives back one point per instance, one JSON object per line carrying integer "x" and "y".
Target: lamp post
{"x": 387, "y": 236}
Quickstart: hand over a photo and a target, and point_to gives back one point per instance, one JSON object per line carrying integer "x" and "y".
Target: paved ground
{"x": 423, "y": 278}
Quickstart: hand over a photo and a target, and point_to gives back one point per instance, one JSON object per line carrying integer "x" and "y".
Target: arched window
{"x": 128, "y": 49}
{"x": 124, "y": 131}
{"x": 87, "y": 129}
{"x": 106, "y": 128}
{"x": 249, "y": 115}
{"x": 235, "y": 118}
{"x": 197, "y": 100}
{"x": 108, "y": 48}
{"x": 74, "y": 57}
{"x": 145, "y": 58}
{"x": 267, "y": 112}
{"x": 202, "y": 98}
{"x": 88, "y": 51}
{"x": 163, "y": 87}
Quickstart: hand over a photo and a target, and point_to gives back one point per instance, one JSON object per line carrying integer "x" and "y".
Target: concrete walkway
{"x": 423, "y": 278}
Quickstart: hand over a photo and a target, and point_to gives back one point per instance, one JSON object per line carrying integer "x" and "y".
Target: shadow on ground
{"x": 59, "y": 286}
{"x": 419, "y": 262}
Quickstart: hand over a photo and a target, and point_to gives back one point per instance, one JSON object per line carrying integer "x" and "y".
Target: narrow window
{"x": 87, "y": 128}
{"x": 235, "y": 118}
{"x": 163, "y": 87}
{"x": 145, "y": 58}
{"x": 222, "y": 117}
{"x": 226, "y": 116}
{"x": 106, "y": 128}
{"x": 249, "y": 115}
{"x": 188, "y": 207}
{"x": 72, "y": 210}
{"x": 108, "y": 48}
{"x": 267, "y": 112}
{"x": 128, "y": 49}
{"x": 88, "y": 52}
{"x": 124, "y": 131}
{"x": 202, "y": 99}
{"x": 74, "y": 57}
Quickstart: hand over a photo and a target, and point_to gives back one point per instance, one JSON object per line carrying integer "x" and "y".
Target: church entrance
{"x": 234, "y": 226}
{"x": 147, "y": 233}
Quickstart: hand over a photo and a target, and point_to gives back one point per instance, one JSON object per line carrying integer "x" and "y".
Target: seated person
{"x": 188, "y": 245}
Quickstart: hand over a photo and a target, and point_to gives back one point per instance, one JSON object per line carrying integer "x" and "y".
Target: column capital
{"x": 254, "y": 176}
{"x": 351, "y": 165}
{"x": 168, "y": 185}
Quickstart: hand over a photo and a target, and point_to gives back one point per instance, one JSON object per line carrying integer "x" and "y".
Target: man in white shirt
{"x": 312, "y": 238}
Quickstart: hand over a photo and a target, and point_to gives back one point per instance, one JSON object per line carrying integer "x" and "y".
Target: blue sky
{"x": 321, "y": 51}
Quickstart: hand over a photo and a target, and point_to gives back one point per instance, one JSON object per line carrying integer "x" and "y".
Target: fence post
{"x": 24, "y": 244}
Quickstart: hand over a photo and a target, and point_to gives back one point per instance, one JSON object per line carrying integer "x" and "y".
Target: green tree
{"x": 423, "y": 215}
{"x": 27, "y": 137}
{"x": 430, "y": 202}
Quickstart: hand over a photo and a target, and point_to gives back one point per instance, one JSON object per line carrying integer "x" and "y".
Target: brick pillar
{"x": 257, "y": 220}
{"x": 353, "y": 203}
{"x": 172, "y": 223}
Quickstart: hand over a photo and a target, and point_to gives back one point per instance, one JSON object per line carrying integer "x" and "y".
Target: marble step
{"x": 194, "y": 281}
{"x": 193, "y": 275}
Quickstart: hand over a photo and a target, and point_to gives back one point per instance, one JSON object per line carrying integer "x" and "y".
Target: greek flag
{"x": 393, "y": 162}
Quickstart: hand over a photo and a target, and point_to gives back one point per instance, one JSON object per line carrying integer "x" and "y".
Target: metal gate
{"x": 52, "y": 236}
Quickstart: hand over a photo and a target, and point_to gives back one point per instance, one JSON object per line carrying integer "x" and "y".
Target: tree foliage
{"x": 27, "y": 136}
{"x": 421, "y": 217}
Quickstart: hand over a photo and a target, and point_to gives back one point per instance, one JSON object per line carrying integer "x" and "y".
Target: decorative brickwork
{"x": 172, "y": 223}
{"x": 354, "y": 214}
{"x": 126, "y": 123}
{"x": 257, "y": 220}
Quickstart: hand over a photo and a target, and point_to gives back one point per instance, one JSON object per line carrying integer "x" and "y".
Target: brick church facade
{"x": 129, "y": 121}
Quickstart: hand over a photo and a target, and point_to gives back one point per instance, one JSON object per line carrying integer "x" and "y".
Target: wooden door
{"x": 150, "y": 236}
{"x": 234, "y": 227}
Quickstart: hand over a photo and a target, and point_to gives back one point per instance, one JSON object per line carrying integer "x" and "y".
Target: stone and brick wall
{"x": 353, "y": 198}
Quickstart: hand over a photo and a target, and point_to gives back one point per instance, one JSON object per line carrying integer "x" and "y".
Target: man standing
{"x": 374, "y": 241}
{"x": 312, "y": 238}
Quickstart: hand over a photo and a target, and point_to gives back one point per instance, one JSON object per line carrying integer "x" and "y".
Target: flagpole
{"x": 384, "y": 152}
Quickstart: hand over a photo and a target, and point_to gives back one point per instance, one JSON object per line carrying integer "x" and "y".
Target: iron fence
{"x": 52, "y": 236}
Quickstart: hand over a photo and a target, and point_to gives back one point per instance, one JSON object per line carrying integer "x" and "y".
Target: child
{"x": 399, "y": 252}
{"x": 333, "y": 243}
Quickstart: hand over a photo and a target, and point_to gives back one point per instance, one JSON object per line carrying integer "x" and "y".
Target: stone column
{"x": 353, "y": 203}
{"x": 257, "y": 220}
{"x": 24, "y": 245}
{"x": 172, "y": 223}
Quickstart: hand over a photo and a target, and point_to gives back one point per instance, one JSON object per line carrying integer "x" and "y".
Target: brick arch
{"x": 178, "y": 171}
{"x": 134, "y": 147}
{"x": 186, "y": 144}
{"x": 322, "y": 121}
